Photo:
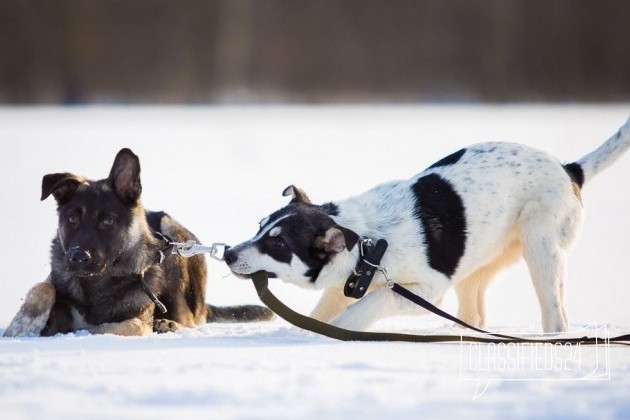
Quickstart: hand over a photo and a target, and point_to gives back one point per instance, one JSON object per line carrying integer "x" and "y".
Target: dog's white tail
{"x": 604, "y": 156}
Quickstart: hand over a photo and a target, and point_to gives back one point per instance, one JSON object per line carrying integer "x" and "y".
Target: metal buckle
{"x": 367, "y": 242}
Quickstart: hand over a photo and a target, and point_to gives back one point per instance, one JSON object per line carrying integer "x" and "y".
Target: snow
{"x": 219, "y": 170}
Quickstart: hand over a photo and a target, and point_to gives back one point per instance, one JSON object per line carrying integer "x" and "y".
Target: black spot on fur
{"x": 442, "y": 213}
{"x": 576, "y": 173}
{"x": 331, "y": 209}
{"x": 449, "y": 160}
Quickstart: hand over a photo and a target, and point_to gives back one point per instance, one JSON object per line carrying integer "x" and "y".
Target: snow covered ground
{"x": 219, "y": 170}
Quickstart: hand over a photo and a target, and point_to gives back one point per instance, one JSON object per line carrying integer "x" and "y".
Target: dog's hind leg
{"x": 546, "y": 238}
{"x": 33, "y": 315}
{"x": 471, "y": 291}
{"x": 331, "y": 303}
{"x": 130, "y": 327}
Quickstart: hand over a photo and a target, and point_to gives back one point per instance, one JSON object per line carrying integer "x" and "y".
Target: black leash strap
{"x": 261, "y": 282}
{"x": 407, "y": 294}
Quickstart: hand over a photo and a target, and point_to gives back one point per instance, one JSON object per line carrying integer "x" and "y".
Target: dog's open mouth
{"x": 248, "y": 276}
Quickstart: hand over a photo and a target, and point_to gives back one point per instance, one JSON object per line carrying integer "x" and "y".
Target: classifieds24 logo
{"x": 488, "y": 362}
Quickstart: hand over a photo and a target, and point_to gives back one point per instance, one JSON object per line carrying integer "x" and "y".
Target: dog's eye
{"x": 278, "y": 242}
{"x": 73, "y": 219}
{"x": 107, "y": 222}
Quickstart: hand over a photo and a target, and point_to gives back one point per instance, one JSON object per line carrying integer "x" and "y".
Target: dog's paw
{"x": 162, "y": 326}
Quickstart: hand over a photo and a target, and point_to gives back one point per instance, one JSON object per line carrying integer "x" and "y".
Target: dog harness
{"x": 167, "y": 247}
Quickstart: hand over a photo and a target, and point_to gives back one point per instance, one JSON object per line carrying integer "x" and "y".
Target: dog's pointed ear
{"x": 335, "y": 240}
{"x": 62, "y": 186}
{"x": 299, "y": 196}
{"x": 124, "y": 177}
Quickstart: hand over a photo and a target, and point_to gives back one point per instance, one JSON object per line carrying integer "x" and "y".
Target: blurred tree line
{"x": 247, "y": 51}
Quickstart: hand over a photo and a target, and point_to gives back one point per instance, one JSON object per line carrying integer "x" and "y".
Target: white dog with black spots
{"x": 455, "y": 224}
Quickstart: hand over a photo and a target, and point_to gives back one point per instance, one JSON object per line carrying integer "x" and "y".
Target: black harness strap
{"x": 147, "y": 290}
{"x": 167, "y": 247}
{"x": 261, "y": 282}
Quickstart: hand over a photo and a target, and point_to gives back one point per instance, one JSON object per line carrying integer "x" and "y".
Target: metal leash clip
{"x": 191, "y": 248}
{"x": 388, "y": 280}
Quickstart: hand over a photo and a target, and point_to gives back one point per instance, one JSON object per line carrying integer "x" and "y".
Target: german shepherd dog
{"x": 106, "y": 246}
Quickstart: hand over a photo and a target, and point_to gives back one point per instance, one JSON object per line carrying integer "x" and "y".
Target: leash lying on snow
{"x": 260, "y": 280}
{"x": 356, "y": 286}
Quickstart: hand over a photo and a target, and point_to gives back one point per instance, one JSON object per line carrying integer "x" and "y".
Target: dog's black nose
{"x": 230, "y": 256}
{"x": 79, "y": 256}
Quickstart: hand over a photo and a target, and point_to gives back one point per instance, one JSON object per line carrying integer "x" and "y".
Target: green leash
{"x": 261, "y": 282}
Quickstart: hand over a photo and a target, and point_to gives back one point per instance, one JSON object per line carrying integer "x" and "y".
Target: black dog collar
{"x": 369, "y": 260}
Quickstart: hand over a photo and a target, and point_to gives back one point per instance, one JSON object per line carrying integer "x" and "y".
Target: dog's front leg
{"x": 130, "y": 327}
{"x": 382, "y": 303}
{"x": 372, "y": 307}
{"x": 330, "y": 304}
{"x": 33, "y": 315}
